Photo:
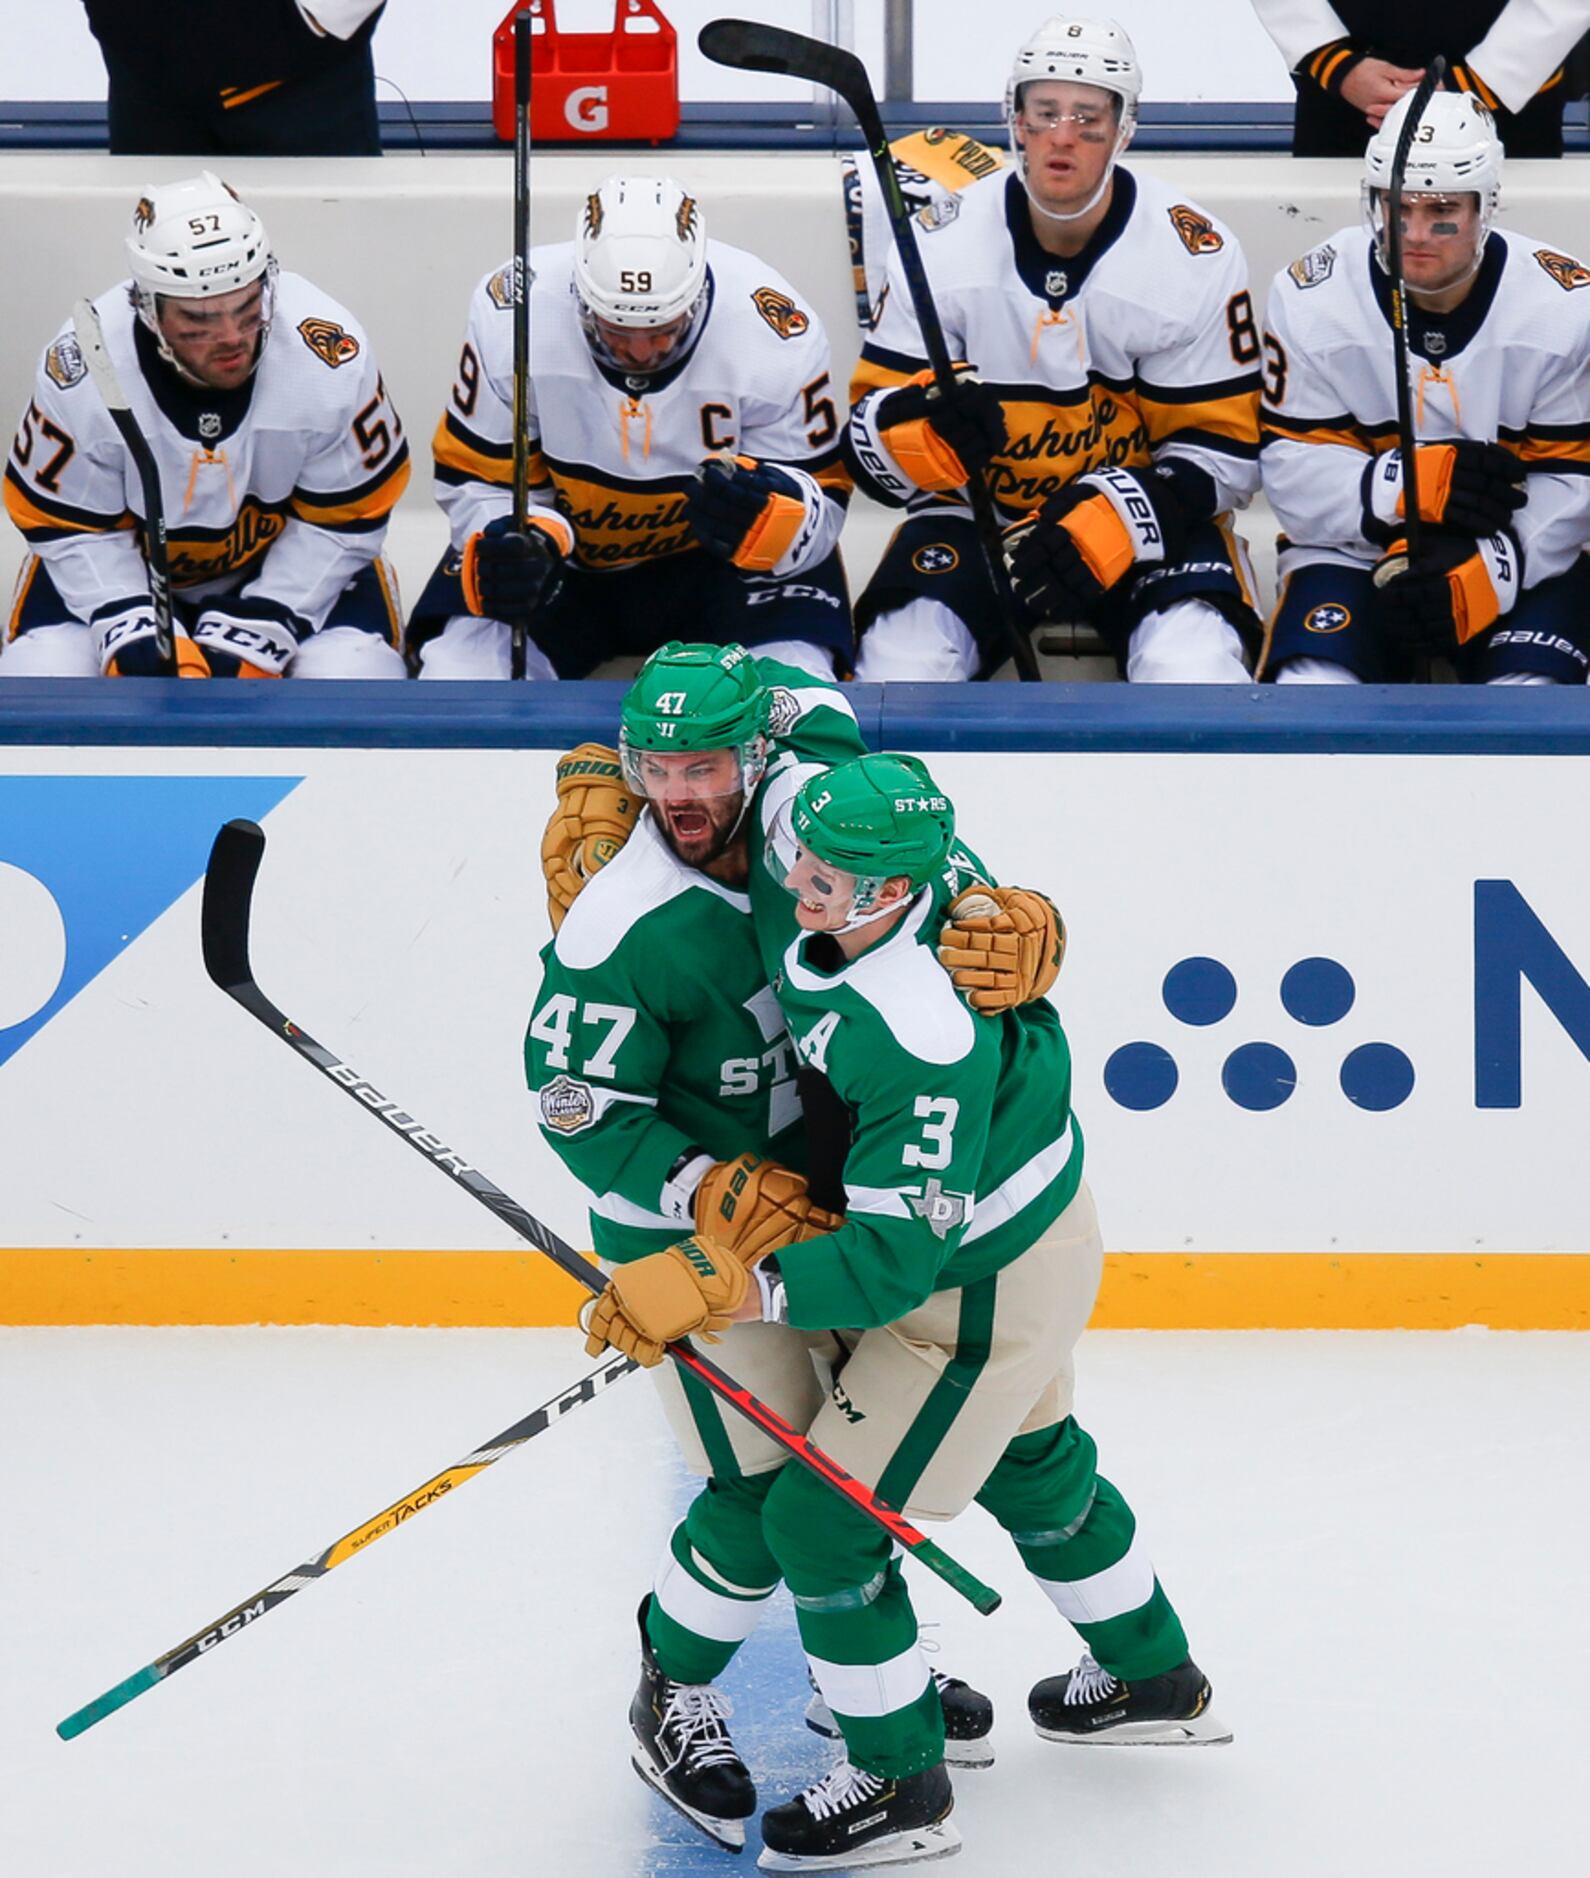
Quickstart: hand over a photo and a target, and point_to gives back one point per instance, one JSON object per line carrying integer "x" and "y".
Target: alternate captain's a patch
{"x": 327, "y": 340}
{"x": 1564, "y": 269}
{"x": 1197, "y": 231}
{"x": 780, "y": 312}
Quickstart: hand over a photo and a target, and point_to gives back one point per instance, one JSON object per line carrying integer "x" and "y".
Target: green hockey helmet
{"x": 875, "y": 818}
{"x": 693, "y": 698}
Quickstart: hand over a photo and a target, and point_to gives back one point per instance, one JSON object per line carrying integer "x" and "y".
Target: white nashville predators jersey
{"x": 611, "y": 457}
{"x": 1142, "y": 348}
{"x": 1506, "y": 366}
{"x": 281, "y": 487}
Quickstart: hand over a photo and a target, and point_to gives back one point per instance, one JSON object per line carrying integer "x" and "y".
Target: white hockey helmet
{"x": 195, "y": 240}
{"x": 1455, "y": 151}
{"x": 640, "y": 263}
{"x": 1082, "y": 52}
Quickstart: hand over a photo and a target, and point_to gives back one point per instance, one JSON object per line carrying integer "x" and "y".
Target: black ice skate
{"x": 1089, "y": 1704}
{"x": 683, "y": 1751}
{"x": 968, "y": 1721}
{"x": 852, "y": 1821}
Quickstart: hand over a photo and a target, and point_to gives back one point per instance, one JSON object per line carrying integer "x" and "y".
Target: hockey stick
{"x": 521, "y": 306}
{"x": 748, "y": 46}
{"x": 96, "y": 357}
{"x": 224, "y": 923}
{"x": 348, "y": 1546}
{"x": 1407, "y": 440}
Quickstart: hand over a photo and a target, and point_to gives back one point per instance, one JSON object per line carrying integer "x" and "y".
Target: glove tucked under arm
{"x": 1449, "y": 595}
{"x": 506, "y": 576}
{"x": 750, "y": 1206}
{"x": 759, "y": 517}
{"x": 694, "y": 1287}
{"x": 595, "y": 814}
{"x": 1471, "y": 487}
{"x": 1090, "y": 536}
{"x": 1002, "y": 945}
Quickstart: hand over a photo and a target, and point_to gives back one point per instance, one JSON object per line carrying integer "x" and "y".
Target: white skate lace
{"x": 1089, "y": 1683}
{"x": 694, "y": 1718}
{"x": 840, "y": 1787}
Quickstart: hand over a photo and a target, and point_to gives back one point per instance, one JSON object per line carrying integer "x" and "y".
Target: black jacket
{"x": 198, "y": 48}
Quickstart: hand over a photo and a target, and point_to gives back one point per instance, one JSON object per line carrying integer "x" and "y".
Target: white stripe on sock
{"x": 872, "y": 1688}
{"x": 1124, "y": 1586}
{"x": 694, "y": 1606}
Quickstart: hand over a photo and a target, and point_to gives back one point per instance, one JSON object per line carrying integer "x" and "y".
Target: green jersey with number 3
{"x": 655, "y": 1036}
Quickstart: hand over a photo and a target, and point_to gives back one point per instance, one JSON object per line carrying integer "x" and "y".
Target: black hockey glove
{"x": 1467, "y": 486}
{"x": 1453, "y": 592}
{"x": 507, "y": 576}
{"x": 124, "y": 637}
{"x": 248, "y": 637}
{"x": 756, "y": 516}
{"x": 942, "y": 439}
{"x": 1091, "y": 536}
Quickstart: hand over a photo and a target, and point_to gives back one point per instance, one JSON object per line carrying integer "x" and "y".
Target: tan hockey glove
{"x": 751, "y": 1206}
{"x": 694, "y": 1287}
{"x": 1002, "y": 946}
{"x": 596, "y": 812}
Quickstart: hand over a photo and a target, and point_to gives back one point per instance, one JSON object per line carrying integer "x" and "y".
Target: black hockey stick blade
{"x": 228, "y": 894}
{"x": 750, "y": 46}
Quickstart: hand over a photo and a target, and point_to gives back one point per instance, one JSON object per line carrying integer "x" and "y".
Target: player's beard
{"x": 702, "y": 831}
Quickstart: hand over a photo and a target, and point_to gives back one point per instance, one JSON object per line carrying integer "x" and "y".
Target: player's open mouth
{"x": 690, "y": 824}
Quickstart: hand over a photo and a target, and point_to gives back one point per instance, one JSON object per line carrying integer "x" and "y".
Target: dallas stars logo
{"x": 942, "y": 1211}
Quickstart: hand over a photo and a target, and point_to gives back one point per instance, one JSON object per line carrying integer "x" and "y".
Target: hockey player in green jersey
{"x": 666, "y": 1083}
{"x": 960, "y": 1281}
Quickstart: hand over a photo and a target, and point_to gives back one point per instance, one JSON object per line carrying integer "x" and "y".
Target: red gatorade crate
{"x": 591, "y": 86}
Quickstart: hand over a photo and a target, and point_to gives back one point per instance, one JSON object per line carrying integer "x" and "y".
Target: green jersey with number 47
{"x": 655, "y": 1039}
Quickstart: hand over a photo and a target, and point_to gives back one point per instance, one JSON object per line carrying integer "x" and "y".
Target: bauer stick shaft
{"x": 746, "y": 45}
{"x": 521, "y": 307}
{"x": 348, "y": 1546}
{"x": 96, "y": 356}
{"x": 228, "y": 895}
{"x": 1407, "y": 436}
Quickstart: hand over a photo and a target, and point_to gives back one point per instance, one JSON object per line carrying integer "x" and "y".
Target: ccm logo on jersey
{"x": 1564, "y": 269}
{"x": 327, "y": 340}
{"x": 1197, "y": 231}
{"x": 780, "y": 312}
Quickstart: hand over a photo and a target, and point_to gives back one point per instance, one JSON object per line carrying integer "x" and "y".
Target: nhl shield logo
{"x": 1434, "y": 345}
{"x": 1055, "y": 283}
{"x": 209, "y": 425}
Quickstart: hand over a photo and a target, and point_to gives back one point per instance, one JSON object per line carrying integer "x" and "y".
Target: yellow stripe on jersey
{"x": 199, "y": 555}
{"x": 369, "y": 503}
{"x": 1232, "y": 415}
{"x": 1342, "y": 431}
{"x": 621, "y": 524}
{"x": 869, "y": 375}
{"x": 37, "y": 515}
{"x": 460, "y": 451}
{"x": 1559, "y": 447}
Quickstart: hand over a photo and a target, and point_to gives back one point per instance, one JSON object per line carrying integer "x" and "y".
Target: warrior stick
{"x": 224, "y": 922}
{"x": 1407, "y": 439}
{"x": 96, "y": 356}
{"x": 348, "y": 1546}
{"x": 521, "y": 306}
{"x": 748, "y": 46}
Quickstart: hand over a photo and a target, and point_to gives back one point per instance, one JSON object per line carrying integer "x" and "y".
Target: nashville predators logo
{"x": 1564, "y": 269}
{"x": 593, "y": 216}
{"x": 1329, "y": 618}
{"x": 143, "y": 215}
{"x": 328, "y": 341}
{"x": 780, "y": 312}
{"x": 1197, "y": 231}
{"x": 686, "y": 219}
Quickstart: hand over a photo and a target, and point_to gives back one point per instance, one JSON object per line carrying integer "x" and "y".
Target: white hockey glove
{"x": 248, "y": 637}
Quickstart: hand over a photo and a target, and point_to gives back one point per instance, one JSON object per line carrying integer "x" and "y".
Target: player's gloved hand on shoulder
{"x": 751, "y": 1206}
{"x": 126, "y": 641}
{"x": 1449, "y": 595}
{"x": 694, "y": 1288}
{"x": 248, "y": 636}
{"x": 1002, "y": 945}
{"x": 595, "y": 813}
{"x": 942, "y": 439}
{"x": 1468, "y": 486}
{"x": 758, "y": 517}
{"x": 506, "y": 576}
{"x": 1089, "y": 537}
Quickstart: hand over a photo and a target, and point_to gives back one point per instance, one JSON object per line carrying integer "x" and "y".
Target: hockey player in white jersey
{"x": 279, "y": 455}
{"x": 1111, "y": 406}
{"x": 1498, "y": 335}
{"x": 685, "y": 470}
